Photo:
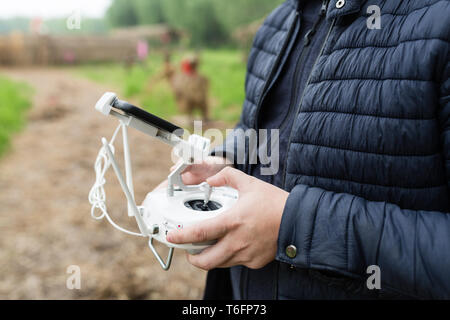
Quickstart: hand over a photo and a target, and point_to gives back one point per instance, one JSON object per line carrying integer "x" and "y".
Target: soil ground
{"x": 45, "y": 218}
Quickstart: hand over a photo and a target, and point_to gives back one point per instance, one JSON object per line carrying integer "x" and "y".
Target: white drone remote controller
{"x": 175, "y": 207}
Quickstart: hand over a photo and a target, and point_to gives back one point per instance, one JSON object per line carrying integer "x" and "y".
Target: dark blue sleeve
{"x": 345, "y": 234}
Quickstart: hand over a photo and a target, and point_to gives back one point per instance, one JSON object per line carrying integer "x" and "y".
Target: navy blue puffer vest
{"x": 368, "y": 164}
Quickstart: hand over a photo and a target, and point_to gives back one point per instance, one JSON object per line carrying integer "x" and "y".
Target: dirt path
{"x": 45, "y": 218}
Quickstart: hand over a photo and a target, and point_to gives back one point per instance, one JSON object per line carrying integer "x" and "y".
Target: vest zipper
{"x": 301, "y": 100}
{"x": 300, "y": 61}
{"x": 244, "y": 280}
{"x": 272, "y": 72}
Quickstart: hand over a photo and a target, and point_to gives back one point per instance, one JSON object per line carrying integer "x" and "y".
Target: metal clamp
{"x": 164, "y": 265}
{"x": 174, "y": 179}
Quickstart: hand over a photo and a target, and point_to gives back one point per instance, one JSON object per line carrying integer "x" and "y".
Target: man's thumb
{"x": 226, "y": 177}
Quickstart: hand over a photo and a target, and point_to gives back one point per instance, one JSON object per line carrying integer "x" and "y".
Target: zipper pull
{"x": 312, "y": 31}
{"x": 307, "y": 39}
{"x": 324, "y": 7}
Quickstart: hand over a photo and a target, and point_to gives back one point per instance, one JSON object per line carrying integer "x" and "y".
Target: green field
{"x": 15, "y": 100}
{"x": 224, "y": 68}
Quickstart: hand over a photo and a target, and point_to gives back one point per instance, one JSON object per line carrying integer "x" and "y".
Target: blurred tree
{"x": 55, "y": 26}
{"x": 150, "y": 11}
{"x": 198, "y": 18}
{"x": 203, "y": 24}
{"x": 175, "y": 12}
{"x": 209, "y": 22}
{"x": 14, "y": 24}
{"x": 123, "y": 13}
{"x": 235, "y": 13}
{"x": 88, "y": 26}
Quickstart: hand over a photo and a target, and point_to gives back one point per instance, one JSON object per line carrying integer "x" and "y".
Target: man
{"x": 363, "y": 116}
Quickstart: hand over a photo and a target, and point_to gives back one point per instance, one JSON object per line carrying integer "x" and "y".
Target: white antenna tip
{"x": 104, "y": 103}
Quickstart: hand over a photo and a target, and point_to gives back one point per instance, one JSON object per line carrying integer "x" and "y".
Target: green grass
{"x": 224, "y": 68}
{"x": 14, "y": 97}
{"x": 226, "y": 71}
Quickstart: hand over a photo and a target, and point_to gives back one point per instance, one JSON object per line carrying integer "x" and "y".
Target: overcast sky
{"x": 52, "y": 8}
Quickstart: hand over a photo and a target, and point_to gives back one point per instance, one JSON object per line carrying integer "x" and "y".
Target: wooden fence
{"x": 22, "y": 49}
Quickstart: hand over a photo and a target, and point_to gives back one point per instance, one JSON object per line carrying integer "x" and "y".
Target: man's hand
{"x": 247, "y": 234}
{"x": 198, "y": 173}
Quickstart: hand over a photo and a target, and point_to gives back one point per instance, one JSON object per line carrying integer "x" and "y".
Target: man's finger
{"x": 195, "y": 167}
{"x": 211, "y": 257}
{"x": 207, "y": 230}
{"x": 161, "y": 185}
{"x": 190, "y": 178}
{"x": 227, "y": 177}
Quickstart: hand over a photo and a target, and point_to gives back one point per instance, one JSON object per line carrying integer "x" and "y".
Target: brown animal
{"x": 189, "y": 87}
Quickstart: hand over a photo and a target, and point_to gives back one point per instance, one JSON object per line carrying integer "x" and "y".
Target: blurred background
{"x": 179, "y": 59}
